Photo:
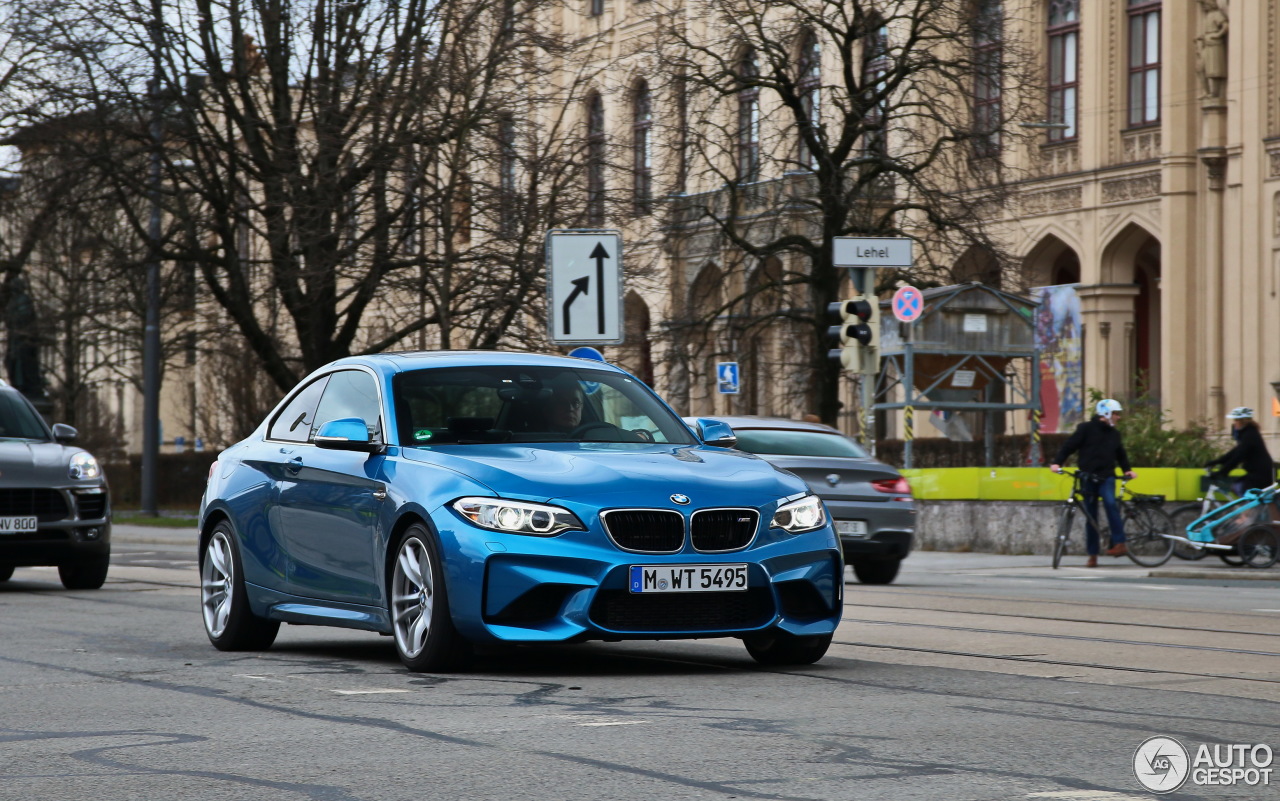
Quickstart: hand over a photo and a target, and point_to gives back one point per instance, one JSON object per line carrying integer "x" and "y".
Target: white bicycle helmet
{"x": 1240, "y": 413}
{"x": 1107, "y": 406}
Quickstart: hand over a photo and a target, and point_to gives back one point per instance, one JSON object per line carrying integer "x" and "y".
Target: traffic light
{"x": 858, "y": 333}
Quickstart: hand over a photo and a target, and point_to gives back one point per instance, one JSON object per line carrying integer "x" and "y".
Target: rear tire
{"x": 1064, "y": 532}
{"x": 6, "y": 572}
{"x": 778, "y": 648}
{"x": 1259, "y": 546}
{"x": 1144, "y": 532}
{"x": 877, "y": 571}
{"x": 426, "y": 639}
{"x": 224, "y": 603}
{"x": 89, "y": 574}
{"x": 1182, "y": 517}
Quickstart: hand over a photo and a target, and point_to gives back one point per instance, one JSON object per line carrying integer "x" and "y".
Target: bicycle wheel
{"x": 1145, "y": 528}
{"x": 1064, "y": 533}
{"x": 1182, "y": 517}
{"x": 1259, "y": 546}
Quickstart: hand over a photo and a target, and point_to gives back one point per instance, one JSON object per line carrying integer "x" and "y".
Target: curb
{"x": 1238, "y": 574}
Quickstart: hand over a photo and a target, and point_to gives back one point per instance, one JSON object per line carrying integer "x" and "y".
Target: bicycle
{"x": 1243, "y": 528}
{"x": 1216, "y": 491}
{"x": 1146, "y": 524}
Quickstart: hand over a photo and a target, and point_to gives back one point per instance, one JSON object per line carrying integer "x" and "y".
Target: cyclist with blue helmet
{"x": 1101, "y": 450}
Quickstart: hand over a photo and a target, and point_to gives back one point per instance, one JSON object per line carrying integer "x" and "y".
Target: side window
{"x": 351, "y": 393}
{"x": 295, "y": 421}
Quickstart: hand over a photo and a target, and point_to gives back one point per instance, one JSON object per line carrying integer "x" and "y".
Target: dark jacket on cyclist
{"x": 1100, "y": 447}
{"x": 1250, "y": 453}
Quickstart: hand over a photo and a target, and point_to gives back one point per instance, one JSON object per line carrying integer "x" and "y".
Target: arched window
{"x": 595, "y": 159}
{"x": 988, "y": 76}
{"x": 809, "y": 87}
{"x": 1064, "y": 68}
{"x": 748, "y": 119}
{"x": 642, "y": 148}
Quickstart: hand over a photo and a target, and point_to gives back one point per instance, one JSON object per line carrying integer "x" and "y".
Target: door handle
{"x": 294, "y": 464}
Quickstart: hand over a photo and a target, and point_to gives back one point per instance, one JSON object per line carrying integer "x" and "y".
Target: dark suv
{"x": 54, "y": 503}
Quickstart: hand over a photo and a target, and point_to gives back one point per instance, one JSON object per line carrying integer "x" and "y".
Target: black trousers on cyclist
{"x": 1105, "y": 488}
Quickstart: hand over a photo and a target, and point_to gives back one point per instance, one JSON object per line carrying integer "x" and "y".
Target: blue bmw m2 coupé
{"x": 459, "y": 498}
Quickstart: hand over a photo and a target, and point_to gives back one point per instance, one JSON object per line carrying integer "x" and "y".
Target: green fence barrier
{"x": 1038, "y": 483}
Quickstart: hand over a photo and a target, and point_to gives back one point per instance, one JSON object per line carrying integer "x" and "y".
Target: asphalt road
{"x": 973, "y": 677}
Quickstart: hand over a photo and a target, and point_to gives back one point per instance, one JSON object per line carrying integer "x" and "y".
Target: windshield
{"x": 18, "y": 420}
{"x": 467, "y": 405}
{"x": 797, "y": 443}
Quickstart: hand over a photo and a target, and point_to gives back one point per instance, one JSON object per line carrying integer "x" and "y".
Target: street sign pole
{"x": 861, "y": 255}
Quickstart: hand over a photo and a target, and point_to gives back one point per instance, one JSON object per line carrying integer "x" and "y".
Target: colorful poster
{"x": 1058, "y": 334}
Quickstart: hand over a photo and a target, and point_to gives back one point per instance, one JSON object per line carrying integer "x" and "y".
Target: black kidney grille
{"x": 724, "y": 529}
{"x": 45, "y": 504}
{"x": 92, "y": 507}
{"x": 620, "y": 610}
{"x": 645, "y": 530}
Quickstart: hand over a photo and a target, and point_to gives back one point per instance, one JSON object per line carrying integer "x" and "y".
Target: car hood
{"x": 611, "y": 475}
{"x": 26, "y": 463}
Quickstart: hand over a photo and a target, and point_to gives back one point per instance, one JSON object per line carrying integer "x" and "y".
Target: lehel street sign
{"x": 584, "y": 287}
{"x": 907, "y": 304}
{"x": 869, "y": 251}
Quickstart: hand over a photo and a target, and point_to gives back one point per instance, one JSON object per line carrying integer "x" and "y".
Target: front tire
{"x": 6, "y": 572}
{"x": 89, "y": 574}
{"x": 426, "y": 639}
{"x": 780, "y": 648}
{"x": 224, "y": 604}
{"x": 876, "y": 571}
{"x": 1258, "y": 546}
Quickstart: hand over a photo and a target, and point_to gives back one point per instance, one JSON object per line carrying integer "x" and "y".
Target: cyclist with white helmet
{"x": 1250, "y": 452}
{"x": 1101, "y": 451}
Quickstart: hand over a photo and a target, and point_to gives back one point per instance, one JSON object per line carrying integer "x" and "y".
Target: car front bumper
{"x": 79, "y": 533}
{"x": 574, "y": 587}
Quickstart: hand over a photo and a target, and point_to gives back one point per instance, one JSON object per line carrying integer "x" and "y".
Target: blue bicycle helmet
{"x": 1107, "y": 406}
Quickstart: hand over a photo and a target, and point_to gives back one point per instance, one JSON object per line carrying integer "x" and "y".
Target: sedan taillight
{"x": 896, "y": 486}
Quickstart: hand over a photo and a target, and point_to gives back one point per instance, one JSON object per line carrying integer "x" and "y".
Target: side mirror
{"x": 347, "y": 434}
{"x": 64, "y": 433}
{"x": 716, "y": 433}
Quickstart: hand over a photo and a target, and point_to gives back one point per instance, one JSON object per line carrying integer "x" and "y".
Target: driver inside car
{"x": 562, "y": 409}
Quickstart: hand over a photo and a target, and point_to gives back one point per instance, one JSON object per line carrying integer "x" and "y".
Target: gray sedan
{"x": 870, "y": 501}
{"x": 54, "y": 506}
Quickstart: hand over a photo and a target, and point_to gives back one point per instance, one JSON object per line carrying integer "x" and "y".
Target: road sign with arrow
{"x": 584, "y": 287}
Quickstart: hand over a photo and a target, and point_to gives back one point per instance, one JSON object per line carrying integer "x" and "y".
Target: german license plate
{"x": 688, "y": 578}
{"x": 16, "y": 525}
{"x": 851, "y": 528}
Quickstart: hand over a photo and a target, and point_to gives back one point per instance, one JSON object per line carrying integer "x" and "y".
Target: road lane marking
{"x": 370, "y": 692}
{"x": 613, "y": 723}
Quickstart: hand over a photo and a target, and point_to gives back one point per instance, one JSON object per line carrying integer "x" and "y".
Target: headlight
{"x": 805, "y": 514}
{"x": 83, "y": 466}
{"x": 518, "y": 517}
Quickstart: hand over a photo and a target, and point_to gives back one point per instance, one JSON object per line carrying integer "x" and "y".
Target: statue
{"x": 1212, "y": 49}
{"x": 22, "y": 359}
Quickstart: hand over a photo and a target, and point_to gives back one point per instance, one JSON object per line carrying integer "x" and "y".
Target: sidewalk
{"x": 178, "y": 536}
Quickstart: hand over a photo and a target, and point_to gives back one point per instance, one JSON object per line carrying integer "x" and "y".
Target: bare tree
{"x": 334, "y": 171}
{"x": 815, "y": 119}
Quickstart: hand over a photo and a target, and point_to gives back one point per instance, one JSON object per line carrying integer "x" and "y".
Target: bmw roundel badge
{"x": 680, "y": 499}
